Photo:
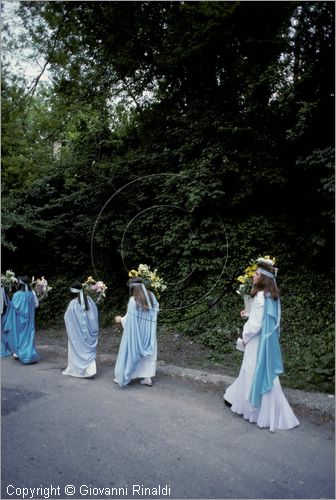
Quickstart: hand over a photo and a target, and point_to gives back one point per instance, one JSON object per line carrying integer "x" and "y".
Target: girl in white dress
{"x": 256, "y": 393}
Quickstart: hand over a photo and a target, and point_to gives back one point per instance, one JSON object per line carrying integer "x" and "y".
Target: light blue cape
{"x": 138, "y": 339}
{"x": 82, "y": 329}
{"x": 269, "y": 360}
{"x": 19, "y": 327}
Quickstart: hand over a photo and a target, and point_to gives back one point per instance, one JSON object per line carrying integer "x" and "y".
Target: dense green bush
{"x": 307, "y": 335}
{"x": 51, "y": 311}
{"x": 307, "y": 330}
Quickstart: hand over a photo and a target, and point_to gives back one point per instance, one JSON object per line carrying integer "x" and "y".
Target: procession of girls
{"x": 256, "y": 394}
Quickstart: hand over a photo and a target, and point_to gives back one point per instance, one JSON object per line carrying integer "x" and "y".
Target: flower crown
{"x": 245, "y": 279}
{"x": 150, "y": 279}
{"x": 268, "y": 262}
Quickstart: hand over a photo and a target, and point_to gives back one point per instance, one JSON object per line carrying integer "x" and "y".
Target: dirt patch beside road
{"x": 173, "y": 348}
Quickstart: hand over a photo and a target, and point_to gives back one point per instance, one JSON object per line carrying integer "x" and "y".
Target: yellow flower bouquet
{"x": 245, "y": 280}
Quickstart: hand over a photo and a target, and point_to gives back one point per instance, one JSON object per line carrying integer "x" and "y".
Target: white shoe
{"x": 146, "y": 381}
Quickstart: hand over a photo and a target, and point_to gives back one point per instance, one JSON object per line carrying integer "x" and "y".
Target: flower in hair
{"x": 151, "y": 279}
{"x": 269, "y": 261}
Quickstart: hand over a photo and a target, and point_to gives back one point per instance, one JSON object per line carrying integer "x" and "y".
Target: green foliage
{"x": 183, "y": 145}
{"x": 50, "y": 312}
{"x": 307, "y": 330}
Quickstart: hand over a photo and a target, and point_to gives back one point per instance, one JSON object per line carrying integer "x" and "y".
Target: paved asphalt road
{"x": 67, "y": 438}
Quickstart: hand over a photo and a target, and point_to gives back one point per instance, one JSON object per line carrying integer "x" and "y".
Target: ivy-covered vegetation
{"x": 190, "y": 136}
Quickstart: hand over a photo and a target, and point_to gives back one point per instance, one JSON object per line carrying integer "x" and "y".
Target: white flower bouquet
{"x": 40, "y": 287}
{"x": 8, "y": 280}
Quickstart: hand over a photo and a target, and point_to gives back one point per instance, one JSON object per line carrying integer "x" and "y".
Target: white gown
{"x": 274, "y": 411}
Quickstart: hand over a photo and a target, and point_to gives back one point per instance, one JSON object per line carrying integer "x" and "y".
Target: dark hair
{"x": 138, "y": 294}
{"x": 22, "y": 286}
{"x": 266, "y": 284}
{"x": 78, "y": 285}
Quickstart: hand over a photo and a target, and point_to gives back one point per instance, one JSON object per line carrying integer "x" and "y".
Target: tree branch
{"x": 32, "y": 89}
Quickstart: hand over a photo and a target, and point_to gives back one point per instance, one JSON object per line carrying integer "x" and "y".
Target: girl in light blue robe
{"x": 138, "y": 347}
{"x": 81, "y": 322}
{"x": 19, "y": 325}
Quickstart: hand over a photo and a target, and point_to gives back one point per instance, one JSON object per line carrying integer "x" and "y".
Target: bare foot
{"x": 146, "y": 381}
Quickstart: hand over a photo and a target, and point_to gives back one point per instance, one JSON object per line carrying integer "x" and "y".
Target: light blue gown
{"x": 19, "y": 327}
{"x": 138, "y": 341}
{"x": 82, "y": 329}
